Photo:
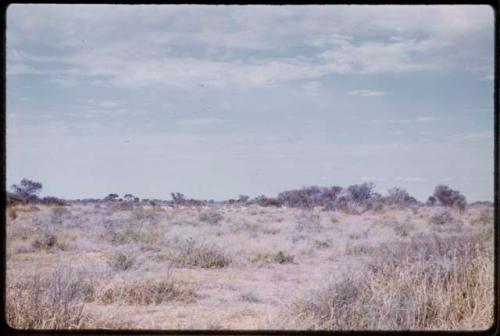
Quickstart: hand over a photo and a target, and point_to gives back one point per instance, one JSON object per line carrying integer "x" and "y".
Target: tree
{"x": 128, "y": 197}
{"x": 243, "y": 198}
{"x": 27, "y": 189}
{"x": 449, "y": 197}
{"x": 398, "y": 196}
{"x": 178, "y": 198}
{"x": 111, "y": 197}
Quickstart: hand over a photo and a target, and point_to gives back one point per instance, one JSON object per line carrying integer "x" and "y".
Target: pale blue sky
{"x": 218, "y": 101}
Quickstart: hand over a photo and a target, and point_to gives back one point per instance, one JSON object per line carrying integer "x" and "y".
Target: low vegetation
{"x": 316, "y": 258}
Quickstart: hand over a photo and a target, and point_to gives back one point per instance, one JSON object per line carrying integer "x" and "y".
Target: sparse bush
{"x": 188, "y": 252}
{"x": 309, "y": 197}
{"x": 121, "y": 261}
{"x": 308, "y": 221}
{"x": 249, "y": 297}
{"x": 144, "y": 292}
{"x": 399, "y": 197}
{"x": 211, "y": 217}
{"x": 485, "y": 217}
{"x": 267, "y": 201}
{"x": 36, "y": 303}
{"x": 45, "y": 241}
{"x": 279, "y": 258}
{"x": 58, "y": 214}
{"x": 11, "y": 213}
{"x": 51, "y": 200}
{"x": 443, "y": 221}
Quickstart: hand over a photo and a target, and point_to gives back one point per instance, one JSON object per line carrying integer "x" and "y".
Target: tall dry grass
{"x": 35, "y": 302}
{"x": 430, "y": 283}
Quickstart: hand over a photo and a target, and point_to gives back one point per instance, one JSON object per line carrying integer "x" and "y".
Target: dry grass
{"x": 176, "y": 267}
{"x": 54, "y": 303}
{"x": 430, "y": 283}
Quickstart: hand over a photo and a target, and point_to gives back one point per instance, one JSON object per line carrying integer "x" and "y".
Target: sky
{"x": 220, "y": 101}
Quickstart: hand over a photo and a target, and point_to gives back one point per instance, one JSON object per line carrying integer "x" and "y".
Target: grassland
{"x": 249, "y": 267}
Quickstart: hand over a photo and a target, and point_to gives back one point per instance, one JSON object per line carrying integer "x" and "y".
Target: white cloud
{"x": 425, "y": 119}
{"x": 186, "y": 45}
{"x": 200, "y": 122}
{"x": 410, "y": 179}
{"x": 367, "y": 93}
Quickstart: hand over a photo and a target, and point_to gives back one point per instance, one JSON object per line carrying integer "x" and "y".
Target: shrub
{"x": 36, "y": 303}
{"x": 279, "y": 258}
{"x": 210, "y": 217}
{"x": 399, "y": 197}
{"x": 58, "y": 214}
{"x": 486, "y": 217}
{"x": 308, "y": 221}
{"x": 144, "y": 292}
{"x": 190, "y": 253}
{"x": 442, "y": 217}
{"x": 11, "y": 213}
{"x": 449, "y": 197}
{"x": 309, "y": 197}
{"x": 120, "y": 261}
{"x": 267, "y": 201}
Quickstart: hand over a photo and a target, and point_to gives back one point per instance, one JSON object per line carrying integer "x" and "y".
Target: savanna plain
{"x": 133, "y": 265}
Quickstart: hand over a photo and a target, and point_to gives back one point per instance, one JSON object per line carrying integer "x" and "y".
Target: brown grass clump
{"x": 145, "y": 292}
{"x": 279, "y": 258}
{"x": 189, "y": 253}
{"x": 55, "y": 303}
{"x": 11, "y": 213}
{"x": 121, "y": 261}
{"x": 430, "y": 283}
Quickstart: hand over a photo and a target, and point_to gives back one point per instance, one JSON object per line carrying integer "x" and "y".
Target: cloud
{"x": 410, "y": 179}
{"x": 425, "y": 119}
{"x": 481, "y": 135}
{"x": 200, "y": 122}
{"x": 186, "y": 45}
{"x": 403, "y": 121}
{"x": 367, "y": 93}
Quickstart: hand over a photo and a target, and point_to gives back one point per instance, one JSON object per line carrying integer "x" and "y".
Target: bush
{"x": 144, "y": 292}
{"x": 210, "y": 217}
{"x": 449, "y": 197}
{"x": 444, "y": 221}
{"x": 121, "y": 261}
{"x": 399, "y": 197}
{"x": 309, "y": 197}
{"x": 189, "y": 253}
{"x": 267, "y": 201}
{"x": 279, "y": 258}
{"x": 36, "y": 303}
{"x": 308, "y": 221}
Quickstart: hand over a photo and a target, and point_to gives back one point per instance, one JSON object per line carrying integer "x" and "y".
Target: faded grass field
{"x": 222, "y": 267}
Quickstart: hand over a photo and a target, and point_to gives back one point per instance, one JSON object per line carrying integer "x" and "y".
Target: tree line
{"x": 356, "y": 197}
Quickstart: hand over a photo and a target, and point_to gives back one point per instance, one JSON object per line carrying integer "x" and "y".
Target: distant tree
{"x": 359, "y": 193}
{"x": 136, "y": 199}
{"x": 431, "y": 201}
{"x": 243, "y": 198}
{"x": 178, "y": 197}
{"x": 449, "y": 197}
{"x": 398, "y": 196}
{"x": 128, "y": 197}
{"x": 27, "y": 190}
{"x": 111, "y": 197}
